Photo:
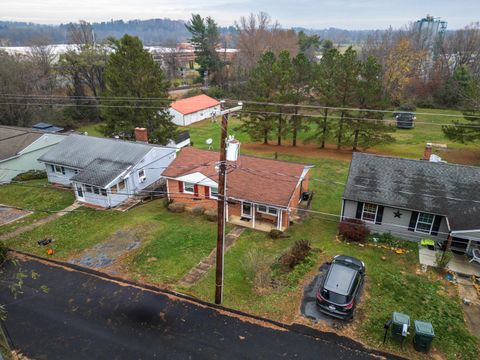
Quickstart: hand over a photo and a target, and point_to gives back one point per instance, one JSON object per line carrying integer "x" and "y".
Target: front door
{"x": 247, "y": 209}
{"x": 79, "y": 191}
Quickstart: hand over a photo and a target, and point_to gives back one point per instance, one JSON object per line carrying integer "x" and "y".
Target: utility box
{"x": 398, "y": 321}
{"x": 424, "y": 334}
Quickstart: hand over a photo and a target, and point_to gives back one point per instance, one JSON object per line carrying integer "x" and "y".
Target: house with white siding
{"x": 193, "y": 109}
{"x": 415, "y": 199}
{"x": 20, "y": 148}
{"x": 106, "y": 172}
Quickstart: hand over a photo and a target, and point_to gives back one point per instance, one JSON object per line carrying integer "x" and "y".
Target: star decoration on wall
{"x": 397, "y": 214}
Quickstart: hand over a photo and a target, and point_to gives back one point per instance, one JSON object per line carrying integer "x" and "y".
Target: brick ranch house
{"x": 262, "y": 194}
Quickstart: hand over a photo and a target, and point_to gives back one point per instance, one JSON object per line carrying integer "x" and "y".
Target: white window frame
{"x": 185, "y": 187}
{"x": 103, "y": 192}
{"x": 143, "y": 177}
{"x": 267, "y": 210}
{"x": 120, "y": 188}
{"x": 210, "y": 194}
{"x": 56, "y": 171}
{"x": 370, "y": 212}
{"x": 89, "y": 189}
{"x": 96, "y": 190}
{"x": 423, "y": 222}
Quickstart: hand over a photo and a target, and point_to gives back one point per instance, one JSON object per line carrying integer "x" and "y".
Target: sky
{"x": 318, "y": 14}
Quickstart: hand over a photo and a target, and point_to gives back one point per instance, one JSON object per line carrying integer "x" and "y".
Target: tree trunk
{"x": 295, "y": 127}
{"x": 324, "y": 134}
{"x": 280, "y": 128}
{"x": 340, "y": 131}
{"x": 355, "y": 140}
{"x": 265, "y": 137}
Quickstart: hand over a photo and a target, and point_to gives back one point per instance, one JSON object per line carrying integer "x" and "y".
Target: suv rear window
{"x": 334, "y": 297}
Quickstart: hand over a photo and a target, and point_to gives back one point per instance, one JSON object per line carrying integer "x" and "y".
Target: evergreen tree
{"x": 465, "y": 132}
{"x": 261, "y": 87}
{"x": 283, "y": 73}
{"x": 205, "y": 39}
{"x": 324, "y": 86}
{"x": 131, "y": 72}
{"x": 365, "y": 128}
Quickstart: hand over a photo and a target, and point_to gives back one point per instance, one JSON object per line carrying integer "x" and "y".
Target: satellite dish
{"x": 209, "y": 142}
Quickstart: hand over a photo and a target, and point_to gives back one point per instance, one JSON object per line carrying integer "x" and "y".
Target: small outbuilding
{"x": 193, "y": 109}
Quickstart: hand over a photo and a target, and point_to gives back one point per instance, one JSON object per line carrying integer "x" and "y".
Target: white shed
{"x": 196, "y": 108}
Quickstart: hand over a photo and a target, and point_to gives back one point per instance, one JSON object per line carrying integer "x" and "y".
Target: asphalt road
{"x": 86, "y": 317}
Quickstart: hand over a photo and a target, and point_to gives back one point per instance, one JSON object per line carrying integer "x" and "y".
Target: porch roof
{"x": 100, "y": 172}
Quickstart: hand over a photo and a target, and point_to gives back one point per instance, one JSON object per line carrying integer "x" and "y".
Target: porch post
{"x": 279, "y": 220}
{"x": 449, "y": 242}
{"x": 253, "y": 215}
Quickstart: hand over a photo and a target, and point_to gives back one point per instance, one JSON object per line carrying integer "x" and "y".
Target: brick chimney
{"x": 427, "y": 152}
{"x": 141, "y": 135}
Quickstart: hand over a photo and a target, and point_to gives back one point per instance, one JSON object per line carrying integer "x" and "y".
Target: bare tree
{"x": 81, "y": 33}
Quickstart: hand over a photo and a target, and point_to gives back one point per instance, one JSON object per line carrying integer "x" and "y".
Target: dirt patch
{"x": 9, "y": 214}
{"x": 107, "y": 253}
{"x": 466, "y": 157}
{"x": 466, "y": 290}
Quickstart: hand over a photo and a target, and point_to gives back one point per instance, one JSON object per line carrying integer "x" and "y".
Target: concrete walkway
{"x": 198, "y": 271}
{"x": 40, "y": 222}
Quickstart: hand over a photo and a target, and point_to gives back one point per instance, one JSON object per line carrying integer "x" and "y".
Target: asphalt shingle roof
{"x": 100, "y": 160}
{"x": 444, "y": 189}
{"x": 15, "y": 139}
{"x": 254, "y": 179}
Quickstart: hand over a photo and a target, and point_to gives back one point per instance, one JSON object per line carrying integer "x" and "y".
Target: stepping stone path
{"x": 198, "y": 271}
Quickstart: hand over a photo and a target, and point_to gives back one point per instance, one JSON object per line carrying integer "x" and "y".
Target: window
{"x": 114, "y": 189}
{"x": 267, "y": 210}
{"x": 59, "y": 169}
{"x": 141, "y": 175}
{"x": 88, "y": 188}
{"x": 96, "y": 190}
{"x": 103, "y": 192}
{"x": 188, "y": 187}
{"x": 214, "y": 192}
{"x": 75, "y": 171}
{"x": 369, "y": 212}
{"x": 121, "y": 185}
{"x": 424, "y": 223}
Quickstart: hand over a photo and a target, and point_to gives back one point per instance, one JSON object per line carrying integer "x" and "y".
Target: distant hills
{"x": 151, "y": 32}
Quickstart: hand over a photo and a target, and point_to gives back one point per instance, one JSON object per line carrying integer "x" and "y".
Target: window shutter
{"x": 207, "y": 192}
{"x": 63, "y": 170}
{"x": 379, "y": 218}
{"x": 180, "y": 186}
{"x": 358, "y": 215}
{"x": 195, "y": 190}
{"x": 436, "y": 225}
{"x": 53, "y": 168}
{"x": 413, "y": 221}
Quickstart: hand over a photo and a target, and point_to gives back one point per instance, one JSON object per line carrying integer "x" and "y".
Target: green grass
{"x": 177, "y": 241}
{"x": 92, "y": 129}
{"x": 35, "y": 195}
{"x": 392, "y": 285}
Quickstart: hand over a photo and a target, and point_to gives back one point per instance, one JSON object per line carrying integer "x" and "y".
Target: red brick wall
{"x": 188, "y": 199}
{"x": 298, "y": 192}
{"x": 285, "y": 220}
{"x": 234, "y": 209}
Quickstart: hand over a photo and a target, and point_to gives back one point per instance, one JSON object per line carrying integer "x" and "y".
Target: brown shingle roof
{"x": 255, "y": 179}
{"x": 194, "y": 104}
{"x": 15, "y": 139}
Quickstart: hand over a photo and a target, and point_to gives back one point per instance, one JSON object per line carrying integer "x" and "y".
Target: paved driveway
{"x": 90, "y": 317}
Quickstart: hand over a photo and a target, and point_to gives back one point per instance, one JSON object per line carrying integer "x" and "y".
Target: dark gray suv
{"x": 338, "y": 293}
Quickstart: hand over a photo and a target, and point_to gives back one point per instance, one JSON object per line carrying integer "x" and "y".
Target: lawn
{"x": 92, "y": 129}
{"x": 177, "y": 242}
{"x": 35, "y": 195}
{"x": 392, "y": 285}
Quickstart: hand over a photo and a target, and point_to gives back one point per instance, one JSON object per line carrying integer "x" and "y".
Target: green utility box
{"x": 398, "y": 319}
{"x": 422, "y": 341}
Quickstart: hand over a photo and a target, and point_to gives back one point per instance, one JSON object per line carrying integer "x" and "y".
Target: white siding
{"x": 397, "y": 226}
{"x": 58, "y": 178}
{"x": 185, "y": 120}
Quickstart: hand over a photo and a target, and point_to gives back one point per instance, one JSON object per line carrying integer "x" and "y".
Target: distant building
{"x": 193, "y": 109}
{"x": 46, "y": 127}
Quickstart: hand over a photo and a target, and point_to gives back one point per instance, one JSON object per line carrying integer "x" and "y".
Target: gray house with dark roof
{"x": 105, "y": 172}
{"x": 415, "y": 199}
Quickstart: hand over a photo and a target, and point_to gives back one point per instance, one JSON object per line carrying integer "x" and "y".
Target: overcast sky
{"x": 347, "y": 14}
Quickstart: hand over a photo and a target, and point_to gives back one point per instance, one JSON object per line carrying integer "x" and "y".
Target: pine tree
{"x": 131, "y": 72}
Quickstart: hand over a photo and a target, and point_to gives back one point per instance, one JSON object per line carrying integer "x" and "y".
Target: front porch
{"x": 458, "y": 264}
{"x": 260, "y": 225}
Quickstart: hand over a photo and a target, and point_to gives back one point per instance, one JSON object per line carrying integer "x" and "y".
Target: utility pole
{"x": 222, "y": 196}
{"x": 222, "y": 180}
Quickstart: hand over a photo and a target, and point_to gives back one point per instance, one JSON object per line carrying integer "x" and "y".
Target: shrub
{"x": 31, "y": 175}
{"x": 275, "y": 234}
{"x": 353, "y": 230}
{"x": 211, "y": 215}
{"x": 176, "y": 207}
{"x": 295, "y": 255}
{"x": 166, "y": 202}
{"x": 3, "y": 254}
{"x": 257, "y": 267}
{"x": 198, "y": 210}
{"x": 443, "y": 258}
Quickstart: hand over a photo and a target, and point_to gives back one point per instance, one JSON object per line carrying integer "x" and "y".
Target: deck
{"x": 459, "y": 264}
